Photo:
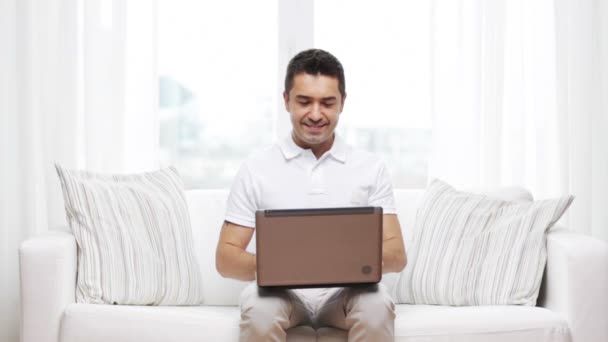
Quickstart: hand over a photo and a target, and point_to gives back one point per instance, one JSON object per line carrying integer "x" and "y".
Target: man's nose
{"x": 315, "y": 113}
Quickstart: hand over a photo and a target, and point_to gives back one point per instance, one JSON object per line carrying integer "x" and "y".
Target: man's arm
{"x": 393, "y": 250}
{"x": 231, "y": 258}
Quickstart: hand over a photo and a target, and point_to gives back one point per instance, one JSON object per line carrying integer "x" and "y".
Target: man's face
{"x": 314, "y": 103}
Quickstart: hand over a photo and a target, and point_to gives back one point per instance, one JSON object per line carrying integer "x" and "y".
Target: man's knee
{"x": 263, "y": 313}
{"x": 259, "y": 325}
{"x": 374, "y": 305}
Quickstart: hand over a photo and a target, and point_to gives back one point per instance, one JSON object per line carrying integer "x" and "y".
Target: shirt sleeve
{"x": 242, "y": 205}
{"x": 382, "y": 193}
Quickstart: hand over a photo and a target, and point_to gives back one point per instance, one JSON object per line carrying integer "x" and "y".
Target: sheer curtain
{"x": 519, "y": 97}
{"x": 78, "y": 83}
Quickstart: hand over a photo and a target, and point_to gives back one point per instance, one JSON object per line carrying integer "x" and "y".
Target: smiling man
{"x": 311, "y": 168}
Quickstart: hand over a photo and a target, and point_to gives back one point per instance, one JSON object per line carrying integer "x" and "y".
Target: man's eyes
{"x": 325, "y": 104}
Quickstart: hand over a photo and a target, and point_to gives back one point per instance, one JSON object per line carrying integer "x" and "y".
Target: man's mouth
{"x": 315, "y": 125}
{"x": 314, "y": 128}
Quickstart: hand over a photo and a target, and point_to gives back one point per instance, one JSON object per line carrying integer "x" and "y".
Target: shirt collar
{"x": 290, "y": 150}
{"x": 339, "y": 149}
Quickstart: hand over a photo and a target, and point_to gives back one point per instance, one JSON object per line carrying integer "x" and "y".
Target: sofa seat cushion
{"x": 417, "y": 323}
{"x": 414, "y": 323}
{"x": 122, "y": 323}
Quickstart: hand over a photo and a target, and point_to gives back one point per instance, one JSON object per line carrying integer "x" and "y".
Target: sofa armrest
{"x": 576, "y": 283}
{"x": 48, "y": 284}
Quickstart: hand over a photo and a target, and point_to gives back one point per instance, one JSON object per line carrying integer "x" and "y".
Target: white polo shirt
{"x": 286, "y": 176}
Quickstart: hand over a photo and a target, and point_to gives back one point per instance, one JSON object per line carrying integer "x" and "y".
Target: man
{"x": 311, "y": 168}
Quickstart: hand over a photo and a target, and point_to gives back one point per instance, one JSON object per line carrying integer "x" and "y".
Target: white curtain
{"x": 77, "y": 85}
{"x": 520, "y": 97}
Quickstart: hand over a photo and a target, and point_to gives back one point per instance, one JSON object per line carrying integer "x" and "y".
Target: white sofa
{"x": 573, "y": 304}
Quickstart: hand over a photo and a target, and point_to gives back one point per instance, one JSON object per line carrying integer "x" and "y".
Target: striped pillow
{"x": 134, "y": 238}
{"x": 471, "y": 249}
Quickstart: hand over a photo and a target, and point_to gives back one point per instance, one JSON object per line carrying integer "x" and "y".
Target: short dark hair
{"x": 315, "y": 62}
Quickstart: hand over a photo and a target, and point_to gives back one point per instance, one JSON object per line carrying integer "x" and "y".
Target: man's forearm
{"x": 236, "y": 263}
{"x": 393, "y": 256}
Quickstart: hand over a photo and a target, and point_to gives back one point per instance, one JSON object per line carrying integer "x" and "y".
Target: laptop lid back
{"x": 319, "y": 247}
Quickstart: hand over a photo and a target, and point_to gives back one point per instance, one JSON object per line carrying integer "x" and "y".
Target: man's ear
{"x": 286, "y": 100}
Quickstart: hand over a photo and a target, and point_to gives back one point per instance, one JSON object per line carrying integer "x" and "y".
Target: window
{"x": 218, "y": 85}
{"x": 221, "y": 81}
{"x": 386, "y": 54}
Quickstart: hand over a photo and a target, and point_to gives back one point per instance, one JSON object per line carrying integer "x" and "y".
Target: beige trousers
{"x": 367, "y": 313}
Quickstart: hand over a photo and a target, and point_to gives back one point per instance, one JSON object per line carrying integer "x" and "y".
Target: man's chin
{"x": 315, "y": 139}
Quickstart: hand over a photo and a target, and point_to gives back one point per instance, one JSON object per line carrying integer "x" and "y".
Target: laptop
{"x": 328, "y": 247}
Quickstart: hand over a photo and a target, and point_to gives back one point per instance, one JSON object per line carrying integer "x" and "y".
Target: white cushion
{"x": 472, "y": 249}
{"x": 418, "y": 323}
{"x": 422, "y": 323}
{"x": 134, "y": 238}
{"x": 123, "y": 323}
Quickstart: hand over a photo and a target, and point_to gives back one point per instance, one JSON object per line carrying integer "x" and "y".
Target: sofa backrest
{"x": 207, "y": 209}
